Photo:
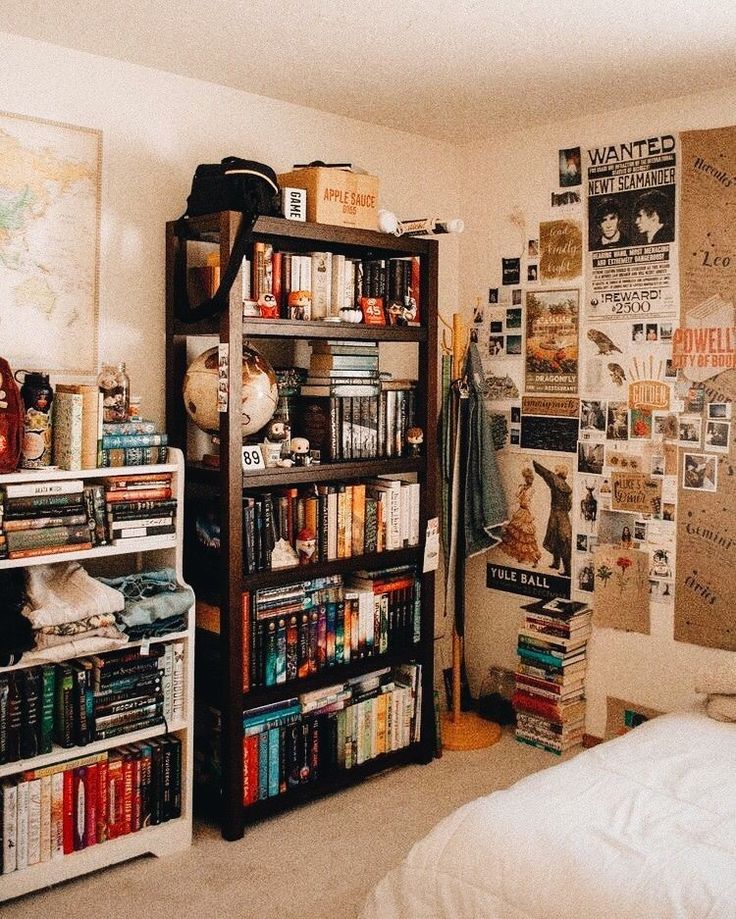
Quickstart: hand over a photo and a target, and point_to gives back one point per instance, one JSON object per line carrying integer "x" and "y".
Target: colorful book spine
{"x": 114, "y": 441}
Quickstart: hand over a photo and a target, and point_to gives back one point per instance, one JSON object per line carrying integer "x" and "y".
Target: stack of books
{"x": 44, "y": 518}
{"x": 321, "y": 733}
{"x": 347, "y": 409}
{"x": 549, "y": 698}
{"x": 133, "y": 443}
{"x": 139, "y": 505}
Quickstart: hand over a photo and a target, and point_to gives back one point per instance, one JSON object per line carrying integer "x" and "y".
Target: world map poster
{"x": 49, "y": 244}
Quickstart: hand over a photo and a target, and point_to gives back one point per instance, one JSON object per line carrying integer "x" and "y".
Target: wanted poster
{"x": 631, "y": 220}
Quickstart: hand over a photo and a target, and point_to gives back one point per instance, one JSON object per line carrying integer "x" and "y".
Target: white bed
{"x": 642, "y": 826}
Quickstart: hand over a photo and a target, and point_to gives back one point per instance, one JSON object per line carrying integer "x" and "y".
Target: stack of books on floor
{"x": 139, "y": 505}
{"x": 133, "y": 443}
{"x": 549, "y": 698}
{"x": 44, "y": 518}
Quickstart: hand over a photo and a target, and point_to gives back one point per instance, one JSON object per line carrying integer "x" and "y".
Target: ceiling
{"x": 456, "y": 70}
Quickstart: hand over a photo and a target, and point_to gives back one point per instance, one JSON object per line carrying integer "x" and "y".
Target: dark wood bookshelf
{"x": 221, "y": 579}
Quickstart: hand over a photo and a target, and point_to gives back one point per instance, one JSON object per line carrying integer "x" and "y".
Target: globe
{"x": 260, "y": 391}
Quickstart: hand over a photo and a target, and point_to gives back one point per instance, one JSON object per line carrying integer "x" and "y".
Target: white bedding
{"x": 641, "y": 827}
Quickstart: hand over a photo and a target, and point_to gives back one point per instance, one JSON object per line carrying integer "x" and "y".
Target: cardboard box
{"x": 337, "y": 196}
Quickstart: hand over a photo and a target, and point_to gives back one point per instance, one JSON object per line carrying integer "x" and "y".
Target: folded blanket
{"x": 51, "y": 640}
{"x": 64, "y": 592}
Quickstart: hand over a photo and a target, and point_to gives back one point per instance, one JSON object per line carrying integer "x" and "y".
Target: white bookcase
{"x": 138, "y": 555}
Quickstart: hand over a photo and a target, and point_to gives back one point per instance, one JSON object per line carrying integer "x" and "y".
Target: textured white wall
{"x": 155, "y": 128}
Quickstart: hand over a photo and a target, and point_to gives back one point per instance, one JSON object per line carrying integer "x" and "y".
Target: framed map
{"x": 49, "y": 244}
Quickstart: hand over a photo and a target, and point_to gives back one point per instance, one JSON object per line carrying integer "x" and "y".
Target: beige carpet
{"x": 316, "y": 862}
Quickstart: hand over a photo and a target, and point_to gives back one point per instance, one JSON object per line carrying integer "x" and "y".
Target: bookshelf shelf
{"x": 221, "y": 578}
{"x": 135, "y": 555}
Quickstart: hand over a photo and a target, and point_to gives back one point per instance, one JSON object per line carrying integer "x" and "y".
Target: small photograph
{"x": 515, "y": 436}
{"x": 718, "y": 435}
{"x": 585, "y": 575}
{"x": 513, "y": 344}
{"x": 670, "y": 372}
{"x": 532, "y": 272}
{"x": 660, "y": 564}
{"x": 478, "y": 314}
{"x": 699, "y": 472}
{"x": 657, "y": 465}
{"x": 516, "y": 297}
{"x": 618, "y": 421}
{"x": 515, "y": 414}
{"x": 668, "y": 511}
{"x": 493, "y": 295}
{"x": 719, "y": 410}
{"x": 496, "y": 326}
{"x": 605, "y": 488}
{"x": 581, "y": 542}
{"x": 690, "y": 429}
{"x": 695, "y": 398}
{"x": 640, "y": 531}
{"x": 616, "y": 528}
{"x": 592, "y": 415}
{"x": 570, "y": 174}
{"x": 637, "y": 331}
{"x": 665, "y": 331}
{"x": 532, "y": 248}
{"x": 495, "y": 345}
{"x": 652, "y": 331}
{"x": 590, "y": 458}
{"x": 513, "y": 318}
{"x": 665, "y": 424}
{"x": 510, "y": 271}
{"x": 641, "y": 424}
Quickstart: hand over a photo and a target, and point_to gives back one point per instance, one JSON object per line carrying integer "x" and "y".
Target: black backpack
{"x": 232, "y": 185}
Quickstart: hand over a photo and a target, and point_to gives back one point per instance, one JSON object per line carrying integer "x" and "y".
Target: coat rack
{"x": 460, "y": 730}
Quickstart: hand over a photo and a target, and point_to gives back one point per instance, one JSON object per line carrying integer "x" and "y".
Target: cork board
{"x": 621, "y": 598}
{"x": 705, "y": 585}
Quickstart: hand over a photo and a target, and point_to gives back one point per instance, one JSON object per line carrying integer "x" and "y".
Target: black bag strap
{"x": 218, "y": 303}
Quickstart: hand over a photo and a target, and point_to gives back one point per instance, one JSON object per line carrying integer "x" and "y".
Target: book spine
{"x": 133, "y": 456}
{"x": 9, "y": 792}
{"x": 44, "y": 489}
{"x": 67, "y": 430}
{"x": 122, "y": 441}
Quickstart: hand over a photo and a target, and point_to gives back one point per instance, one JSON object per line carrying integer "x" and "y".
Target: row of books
{"x": 49, "y": 813}
{"x": 313, "y": 736}
{"x": 549, "y": 698}
{"x": 355, "y": 419}
{"x": 92, "y": 698}
{"x": 43, "y": 518}
{"x": 298, "y": 630}
{"x": 328, "y": 282}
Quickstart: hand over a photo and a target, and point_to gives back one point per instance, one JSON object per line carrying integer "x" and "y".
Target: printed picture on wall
{"x": 621, "y": 599}
{"x": 570, "y": 172}
{"x": 552, "y": 341}
{"x": 534, "y": 555}
{"x": 699, "y": 472}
